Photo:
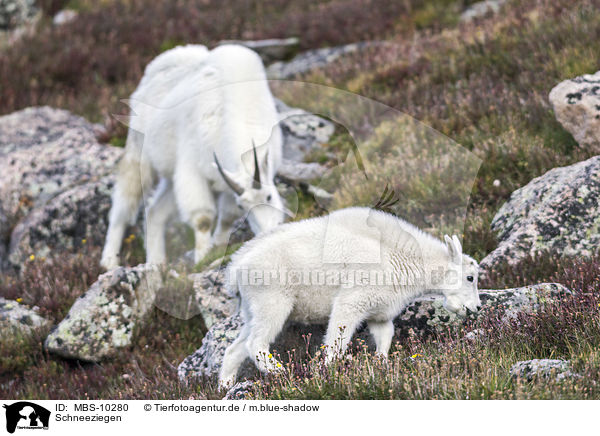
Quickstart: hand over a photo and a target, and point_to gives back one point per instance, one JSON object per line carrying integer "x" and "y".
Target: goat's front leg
{"x": 383, "y": 332}
{"x": 345, "y": 319}
{"x": 228, "y": 212}
{"x": 196, "y": 205}
{"x": 161, "y": 209}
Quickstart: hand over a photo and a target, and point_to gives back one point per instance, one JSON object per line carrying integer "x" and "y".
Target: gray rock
{"x": 17, "y": 319}
{"x": 543, "y": 368}
{"x": 239, "y": 391}
{"x": 270, "y": 49}
{"x": 420, "y": 318}
{"x": 313, "y": 59}
{"x": 44, "y": 153}
{"x": 68, "y": 221}
{"x": 302, "y": 131}
{"x": 558, "y": 211}
{"x": 213, "y": 301}
{"x": 300, "y": 171}
{"x": 576, "y": 104}
{"x": 206, "y": 361}
{"x": 14, "y": 13}
{"x": 428, "y": 314}
{"x": 103, "y": 320}
{"x": 481, "y": 9}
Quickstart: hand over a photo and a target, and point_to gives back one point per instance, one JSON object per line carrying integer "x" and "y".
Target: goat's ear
{"x": 457, "y": 244}
{"x": 454, "y": 251}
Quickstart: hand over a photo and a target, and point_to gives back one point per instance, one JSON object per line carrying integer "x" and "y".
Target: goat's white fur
{"x": 348, "y": 238}
{"x": 191, "y": 103}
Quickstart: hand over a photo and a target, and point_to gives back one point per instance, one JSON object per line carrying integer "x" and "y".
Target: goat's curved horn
{"x": 256, "y": 182}
{"x": 230, "y": 182}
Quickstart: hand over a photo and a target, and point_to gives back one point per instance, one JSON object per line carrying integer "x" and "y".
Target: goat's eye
{"x": 269, "y": 197}
{"x": 470, "y": 278}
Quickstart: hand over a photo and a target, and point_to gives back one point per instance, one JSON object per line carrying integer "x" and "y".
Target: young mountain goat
{"x": 196, "y": 116}
{"x": 354, "y": 265}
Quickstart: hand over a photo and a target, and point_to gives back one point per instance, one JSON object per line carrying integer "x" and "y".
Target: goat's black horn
{"x": 256, "y": 182}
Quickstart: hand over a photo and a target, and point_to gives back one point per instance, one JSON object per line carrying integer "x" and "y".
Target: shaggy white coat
{"x": 191, "y": 103}
{"x": 351, "y": 242}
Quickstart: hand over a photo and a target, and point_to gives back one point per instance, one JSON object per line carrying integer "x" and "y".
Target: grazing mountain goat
{"x": 196, "y": 117}
{"x": 354, "y": 265}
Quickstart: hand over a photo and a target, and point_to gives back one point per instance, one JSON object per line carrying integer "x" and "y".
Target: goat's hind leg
{"x": 126, "y": 199}
{"x": 264, "y": 327}
{"x": 134, "y": 176}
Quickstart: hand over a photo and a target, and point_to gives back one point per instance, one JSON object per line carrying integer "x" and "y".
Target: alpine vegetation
{"x": 351, "y": 266}
{"x": 203, "y": 141}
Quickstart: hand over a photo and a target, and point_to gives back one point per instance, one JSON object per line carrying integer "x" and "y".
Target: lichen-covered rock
{"x": 420, "y": 318}
{"x": 481, "y": 9}
{"x": 313, "y": 59}
{"x": 44, "y": 153}
{"x": 270, "y": 49}
{"x": 544, "y": 368}
{"x": 213, "y": 301}
{"x": 302, "y": 131}
{"x": 558, "y": 212}
{"x": 206, "y": 361}
{"x": 70, "y": 220}
{"x": 103, "y": 320}
{"x": 17, "y": 319}
{"x": 300, "y": 171}
{"x": 14, "y": 13}
{"x": 240, "y": 390}
{"x": 426, "y": 315}
{"x": 576, "y": 105}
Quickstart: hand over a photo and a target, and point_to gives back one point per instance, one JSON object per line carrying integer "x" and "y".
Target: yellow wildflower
{"x": 414, "y": 356}
{"x": 270, "y": 356}
{"x": 19, "y": 300}
{"x": 32, "y": 257}
{"x": 278, "y": 365}
{"x": 83, "y": 241}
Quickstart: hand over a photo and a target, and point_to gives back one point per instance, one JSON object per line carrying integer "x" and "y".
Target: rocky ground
{"x": 532, "y": 219}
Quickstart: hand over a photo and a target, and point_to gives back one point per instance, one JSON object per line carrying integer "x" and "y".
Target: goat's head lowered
{"x": 463, "y": 294}
{"x": 256, "y": 196}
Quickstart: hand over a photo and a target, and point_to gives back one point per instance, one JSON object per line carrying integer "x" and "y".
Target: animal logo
{"x": 26, "y": 415}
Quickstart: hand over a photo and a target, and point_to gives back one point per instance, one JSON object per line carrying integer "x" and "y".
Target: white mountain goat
{"x": 354, "y": 265}
{"x": 196, "y": 116}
